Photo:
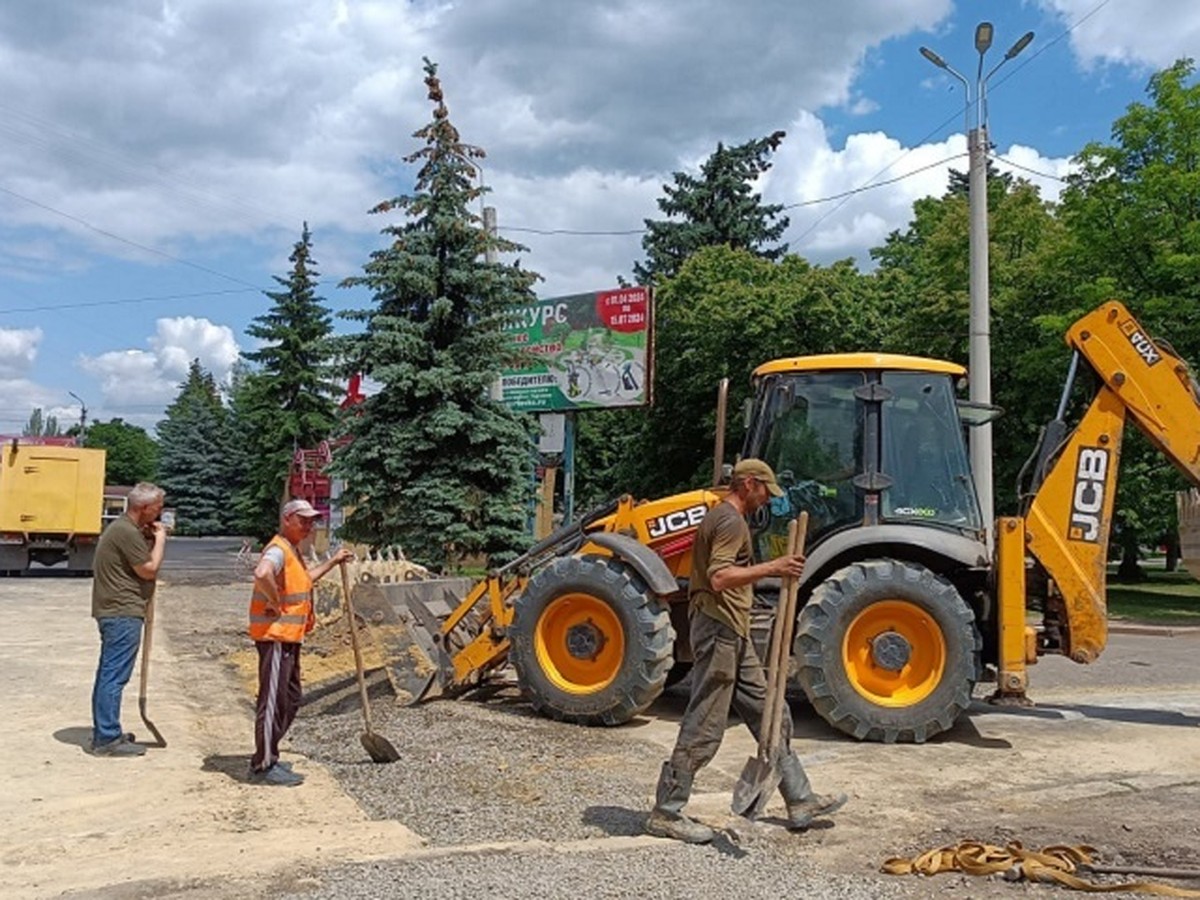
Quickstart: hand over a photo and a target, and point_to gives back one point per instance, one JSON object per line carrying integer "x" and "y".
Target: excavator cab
{"x": 861, "y": 439}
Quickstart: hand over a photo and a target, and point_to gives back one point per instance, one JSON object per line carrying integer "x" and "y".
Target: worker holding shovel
{"x": 726, "y": 670}
{"x": 281, "y": 614}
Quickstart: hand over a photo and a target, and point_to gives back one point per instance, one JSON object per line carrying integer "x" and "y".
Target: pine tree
{"x": 194, "y": 464}
{"x": 287, "y": 402}
{"x": 434, "y": 463}
{"x": 719, "y": 207}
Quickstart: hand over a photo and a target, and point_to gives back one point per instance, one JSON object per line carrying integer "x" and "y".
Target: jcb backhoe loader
{"x": 903, "y": 604}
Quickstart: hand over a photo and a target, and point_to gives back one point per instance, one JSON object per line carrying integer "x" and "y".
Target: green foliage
{"x": 131, "y": 455}
{"x": 1133, "y": 210}
{"x": 41, "y": 425}
{"x": 286, "y": 402}
{"x": 725, "y": 313}
{"x": 194, "y": 466}
{"x": 925, "y": 270}
{"x": 434, "y": 463}
{"x": 719, "y": 207}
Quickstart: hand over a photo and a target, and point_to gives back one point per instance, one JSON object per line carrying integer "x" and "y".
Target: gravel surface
{"x": 675, "y": 872}
{"x": 514, "y": 805}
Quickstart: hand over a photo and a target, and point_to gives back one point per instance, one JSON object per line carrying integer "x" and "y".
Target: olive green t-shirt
{"x": 723, "y": 539}
{"x": 116, "y": 588}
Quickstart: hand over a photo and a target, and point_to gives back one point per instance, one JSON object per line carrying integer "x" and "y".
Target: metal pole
{"x": 569, "y": 468}
{"x": 489, "y": 225}
{"x": 980, "y": 351}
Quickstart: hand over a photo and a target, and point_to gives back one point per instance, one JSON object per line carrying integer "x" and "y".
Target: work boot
{"x": 667, "y": 818}
{"x": 802, "y": 804}
{"x": 277, "y": 776}
{"x": 119, "y": 747}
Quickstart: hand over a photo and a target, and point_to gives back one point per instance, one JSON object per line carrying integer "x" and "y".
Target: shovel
{"x": 378, "y": 747}
{"x": 760, "y": 776}
{"x": 147, "y": 640}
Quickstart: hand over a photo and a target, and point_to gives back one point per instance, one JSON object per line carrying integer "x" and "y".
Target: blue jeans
{"x": 120, "y": 638}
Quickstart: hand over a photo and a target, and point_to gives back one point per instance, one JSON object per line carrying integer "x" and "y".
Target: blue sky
{"x": 158, "y": 158}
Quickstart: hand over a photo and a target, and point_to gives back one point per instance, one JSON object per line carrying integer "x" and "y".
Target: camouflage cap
{"x": 756, "y": 468}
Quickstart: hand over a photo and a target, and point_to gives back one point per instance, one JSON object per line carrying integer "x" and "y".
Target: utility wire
{"x": 127, "y": 241}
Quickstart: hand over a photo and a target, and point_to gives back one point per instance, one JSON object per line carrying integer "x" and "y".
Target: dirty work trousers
{"x": 726, "y": 672}
{"x": 279, "y": 697}
{"x": 120, "y": 638}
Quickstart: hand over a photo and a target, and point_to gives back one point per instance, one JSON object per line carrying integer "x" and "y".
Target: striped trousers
{"x": 279, "y": 697}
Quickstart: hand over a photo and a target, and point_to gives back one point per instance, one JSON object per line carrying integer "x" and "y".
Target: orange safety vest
{"x": 294, "y": 618}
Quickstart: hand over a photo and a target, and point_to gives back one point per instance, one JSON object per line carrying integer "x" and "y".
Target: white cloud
{"x": 1130, "y": 33}
{"x": 138, "y": 384}
{"x": 18, "y": 350}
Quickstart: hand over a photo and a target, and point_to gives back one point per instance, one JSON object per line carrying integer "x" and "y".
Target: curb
{"x": 1152, "y": 630}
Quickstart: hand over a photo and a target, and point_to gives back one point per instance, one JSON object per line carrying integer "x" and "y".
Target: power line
{"x": 125, "y": 300}
{"x": 1017, "y": 165}
{"x": 117, "y": 237}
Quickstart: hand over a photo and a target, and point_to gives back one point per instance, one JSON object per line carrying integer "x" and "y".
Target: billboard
{"x": 583, "y": 351}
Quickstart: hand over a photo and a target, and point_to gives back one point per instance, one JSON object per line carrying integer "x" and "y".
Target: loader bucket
{"x": 404, "y": 618}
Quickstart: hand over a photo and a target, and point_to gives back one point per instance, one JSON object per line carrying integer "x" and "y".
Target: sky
{"x": 158, "y": 158}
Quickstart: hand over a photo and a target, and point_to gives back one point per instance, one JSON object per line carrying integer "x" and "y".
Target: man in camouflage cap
{"x": 726, "y": 670}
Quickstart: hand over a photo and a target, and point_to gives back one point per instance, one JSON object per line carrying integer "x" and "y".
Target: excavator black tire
{"x": 888, "y": 651}
{"x": 591, "y": 643}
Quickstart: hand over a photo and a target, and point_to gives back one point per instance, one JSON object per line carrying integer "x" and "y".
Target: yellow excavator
{"x": 903, "y": 606}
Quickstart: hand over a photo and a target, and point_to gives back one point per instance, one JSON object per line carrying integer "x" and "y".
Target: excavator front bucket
{"x": 405, "y": 618}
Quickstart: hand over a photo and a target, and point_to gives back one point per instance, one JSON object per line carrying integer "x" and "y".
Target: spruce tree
{"x": 718, "y": 207}
{"x": 434, "y": 463}
{"x": 286, "y": 403}
{"x": 194, "y": 466}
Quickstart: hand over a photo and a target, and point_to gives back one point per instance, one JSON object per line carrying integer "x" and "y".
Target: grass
{"x": 1164, "y": 598}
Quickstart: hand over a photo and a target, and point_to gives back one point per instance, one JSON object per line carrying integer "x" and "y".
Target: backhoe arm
{"x": 1066, "y": 525}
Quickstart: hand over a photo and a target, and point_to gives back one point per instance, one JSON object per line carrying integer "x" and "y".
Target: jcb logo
{"x": 1087, "y": 500}
{"x": 677, "y": 521}
{"x": 1143, "y": 344}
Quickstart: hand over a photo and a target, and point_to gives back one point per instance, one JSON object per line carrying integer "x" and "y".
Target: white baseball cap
{"x": 300, "y": 508}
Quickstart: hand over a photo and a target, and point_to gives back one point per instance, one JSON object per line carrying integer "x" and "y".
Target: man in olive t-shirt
{"x": 128, "y": 557}
{"x": 726, "y": 670}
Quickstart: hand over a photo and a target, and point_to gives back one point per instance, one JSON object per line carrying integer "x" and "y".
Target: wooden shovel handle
{"x": 785, "y": 623}
{"x": 358, "y": 661}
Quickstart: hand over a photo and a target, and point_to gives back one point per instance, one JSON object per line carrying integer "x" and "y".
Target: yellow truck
{"x": 50, "y": 504}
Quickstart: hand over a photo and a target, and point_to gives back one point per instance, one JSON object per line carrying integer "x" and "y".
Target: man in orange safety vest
{"x": 281, "y": 614}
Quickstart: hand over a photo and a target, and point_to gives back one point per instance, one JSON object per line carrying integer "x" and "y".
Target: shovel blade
{"x": 159, "y": 740}
{"x": 379, "y": 748}
{"x": 754, "y": 787}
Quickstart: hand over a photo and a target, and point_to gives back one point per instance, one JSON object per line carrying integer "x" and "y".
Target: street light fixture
{"x": 980, "y": 351}
{"x": 82, "y": 412}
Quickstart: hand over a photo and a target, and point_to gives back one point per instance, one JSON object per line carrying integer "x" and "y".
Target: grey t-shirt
{"x": 117, "y": 590}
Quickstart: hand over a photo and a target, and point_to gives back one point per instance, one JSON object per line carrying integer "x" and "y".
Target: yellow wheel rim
{"x": 580, "y": 644}
{"x": 894, "y": 653}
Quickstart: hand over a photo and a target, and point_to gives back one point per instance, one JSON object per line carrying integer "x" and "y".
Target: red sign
{"x": 624, "y": 310}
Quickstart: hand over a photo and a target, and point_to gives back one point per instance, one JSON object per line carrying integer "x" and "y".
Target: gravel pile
{"x": 671, "y": 872}
{"x": 470, "y": 773}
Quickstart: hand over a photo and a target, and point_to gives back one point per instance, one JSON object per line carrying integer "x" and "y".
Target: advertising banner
{"x": 584, "y": 351}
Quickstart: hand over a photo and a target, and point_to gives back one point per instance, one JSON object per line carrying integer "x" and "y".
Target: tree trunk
{"x": 1129, "y": 570}
{"x": 1173, "y": 551}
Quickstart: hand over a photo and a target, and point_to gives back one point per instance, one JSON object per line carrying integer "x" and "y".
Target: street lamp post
{"x": 980, "y": 349}
{"x": 82, "y": 413}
